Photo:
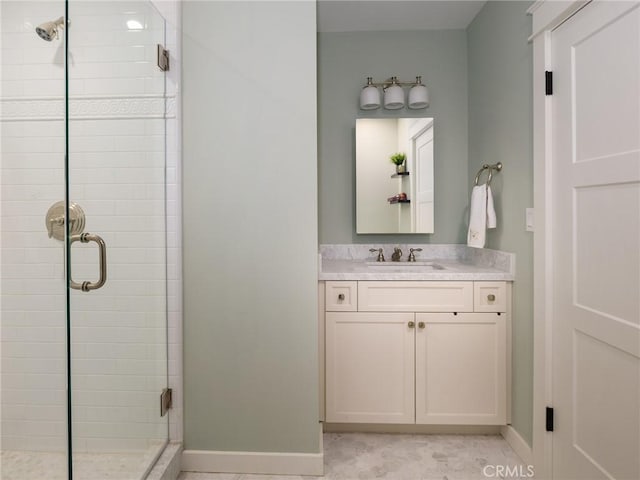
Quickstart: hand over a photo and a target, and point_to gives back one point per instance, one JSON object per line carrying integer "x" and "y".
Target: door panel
{"x": 597, "y": 257}
{"x": 596, "y": 233}
{"x": 601, "y": 370}
{"x": 602, "y": 84}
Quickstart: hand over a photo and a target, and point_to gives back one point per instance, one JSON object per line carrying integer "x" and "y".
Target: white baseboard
{"x": 515, "y": 441}
{"x": 412, "y": 429}
{"x": 253, "y": 462}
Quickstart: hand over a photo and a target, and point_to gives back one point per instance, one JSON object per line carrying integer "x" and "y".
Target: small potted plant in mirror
{"x": 398, "y": 159}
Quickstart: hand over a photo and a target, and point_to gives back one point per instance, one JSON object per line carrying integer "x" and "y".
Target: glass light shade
{"x": 394, "y": 97}
{"x": 370, "y": 98}
{"x": 418, "y": 97}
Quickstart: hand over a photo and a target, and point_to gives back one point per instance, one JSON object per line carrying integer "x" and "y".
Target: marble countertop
{"x": 458, "y": 262}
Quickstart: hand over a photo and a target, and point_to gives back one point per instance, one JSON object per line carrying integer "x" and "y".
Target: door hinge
{"x": 163, "y": 58}
{"x": 548, "y": 83}
{"x": 549, "y": 419}
{"x": 166, "y": 401}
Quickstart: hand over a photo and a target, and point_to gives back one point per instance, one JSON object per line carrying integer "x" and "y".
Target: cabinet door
{"x": 461, "y": 368}
{"x": 370, "y": 367}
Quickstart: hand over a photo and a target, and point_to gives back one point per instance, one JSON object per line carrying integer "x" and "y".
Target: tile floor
{"x": 363, "y": 456}
{"x": 25, "y": 465}
{"x": 17, "y": 465}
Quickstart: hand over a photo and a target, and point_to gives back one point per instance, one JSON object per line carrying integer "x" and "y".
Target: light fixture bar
{"x": 389, "y": 81}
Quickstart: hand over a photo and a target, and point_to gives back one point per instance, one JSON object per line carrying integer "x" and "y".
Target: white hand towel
{"x": 491, "y": 212}
{"x": 482, "y": 215}
{"x": 477, "y": 217}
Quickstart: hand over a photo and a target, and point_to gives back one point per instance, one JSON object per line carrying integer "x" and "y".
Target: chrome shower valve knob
{"x": 55, "y": 220}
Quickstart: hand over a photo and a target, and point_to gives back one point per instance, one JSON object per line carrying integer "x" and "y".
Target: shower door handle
{"x": 102, "y": 249}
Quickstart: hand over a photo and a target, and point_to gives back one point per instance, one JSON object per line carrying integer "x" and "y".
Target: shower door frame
{"x": 67, "y": 245}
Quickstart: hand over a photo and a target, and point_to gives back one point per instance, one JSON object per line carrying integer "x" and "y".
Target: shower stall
{"x": 84, "y": 276}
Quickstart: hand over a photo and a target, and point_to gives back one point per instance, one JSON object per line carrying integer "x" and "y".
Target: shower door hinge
{"x": 548, "y": 83}
{"x": 163, "y": 58}
{"x": 166, "y": 401}
{"x": 549, "y": 419}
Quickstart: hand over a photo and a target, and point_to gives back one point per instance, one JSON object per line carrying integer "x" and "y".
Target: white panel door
{"x": 461, "y": 368}
{"x": 423, "y": 155}
{"x": 369, "y": 367}
{"x": 596, "y": 243}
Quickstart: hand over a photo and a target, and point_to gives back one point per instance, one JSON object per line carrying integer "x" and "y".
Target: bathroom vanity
{"x": 425, "y": 343}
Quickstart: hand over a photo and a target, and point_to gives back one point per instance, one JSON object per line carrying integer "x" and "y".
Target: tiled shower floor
{"x": 364, "y": 456}
{"x": 18, "y": 465}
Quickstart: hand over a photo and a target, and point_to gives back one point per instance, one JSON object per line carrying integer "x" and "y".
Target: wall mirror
{"x": 390, "y": 199}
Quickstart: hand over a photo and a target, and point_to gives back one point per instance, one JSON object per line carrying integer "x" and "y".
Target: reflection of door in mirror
{"x": 422, "y": 149}
{"x": 378, "y": 208}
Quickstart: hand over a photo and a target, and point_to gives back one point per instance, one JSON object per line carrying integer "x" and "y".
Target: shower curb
{"x": 168, "y": 465}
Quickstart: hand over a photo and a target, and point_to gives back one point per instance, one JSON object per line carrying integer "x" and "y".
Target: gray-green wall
{"x": 345, "y": 60}
{"x": 500, "y": 130}
{"x": 250, "y": 226}
{"x": 249, "y": 176}
{"x": 480, "y": 87}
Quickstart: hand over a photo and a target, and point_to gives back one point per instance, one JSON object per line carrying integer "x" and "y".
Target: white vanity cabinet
{"x": 416, "y": 352}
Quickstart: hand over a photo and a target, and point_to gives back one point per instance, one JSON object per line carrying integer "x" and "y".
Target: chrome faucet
{"x": 396, "y": 255}
{"x": 380, "y": 257}
{"x": 412, "y": 256}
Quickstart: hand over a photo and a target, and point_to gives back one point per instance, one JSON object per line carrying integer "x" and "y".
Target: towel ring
{"x": 491, "y": 168}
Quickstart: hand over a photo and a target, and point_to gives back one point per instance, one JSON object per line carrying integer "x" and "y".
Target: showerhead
{"x": 49, "y": 30}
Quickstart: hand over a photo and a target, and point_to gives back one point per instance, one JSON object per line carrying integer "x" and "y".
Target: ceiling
{"x": 368, "y": 15}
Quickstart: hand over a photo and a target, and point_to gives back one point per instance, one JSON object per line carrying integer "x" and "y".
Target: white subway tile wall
{"x": 122, "y": 124}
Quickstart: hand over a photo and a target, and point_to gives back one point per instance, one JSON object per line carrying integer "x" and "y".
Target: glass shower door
{"x": 117, "y": 262}
{"x": 83, "y": 265}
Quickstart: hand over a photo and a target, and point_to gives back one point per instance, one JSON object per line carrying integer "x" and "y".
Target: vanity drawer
{"x": 415, "y": 296}
{"x": 490, "y": 296}
{"x": 341, "y": 296}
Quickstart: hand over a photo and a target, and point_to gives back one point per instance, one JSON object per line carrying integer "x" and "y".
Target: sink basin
{"x": 404, "y": 266}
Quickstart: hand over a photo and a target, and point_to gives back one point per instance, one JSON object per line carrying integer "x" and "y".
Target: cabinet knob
{"x": 421, "y": 325}
{"x": 341, "y": 296}
{"x": 491, "y": 297}
{"x": 411, "y": 324}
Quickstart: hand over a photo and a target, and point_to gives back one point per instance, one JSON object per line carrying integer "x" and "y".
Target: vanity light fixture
{"x": 394, "y": 98}
{"x": 393, "y": 95}
{"x": 418, "y": 95}
{"x": 370, "y": 96}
